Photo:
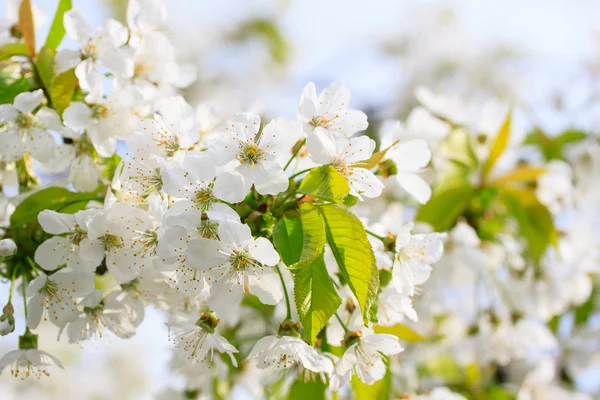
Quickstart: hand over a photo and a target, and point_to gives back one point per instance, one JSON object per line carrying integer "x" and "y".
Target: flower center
{"x": 25, "y": 121}
{"x": 111, "y": 242}
{"x": 250, "y": 153}
{"x": 204, "y": 197}
{"x": 208, "y": 229}
{"x": 240, "y": 260}
{"x": 77, "y": 235}
{"x": 319, "y": 121}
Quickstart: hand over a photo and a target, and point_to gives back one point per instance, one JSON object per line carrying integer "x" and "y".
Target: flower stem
{"x": 24, "y": 290}
{"x": 342, "y": 323}
{"x": 295, "y": 154}
{"x": 12, "y": 285}
{"x": 300, "y": 173}
{"x": 287, "y": 298}
{"x": 375, "y": 235}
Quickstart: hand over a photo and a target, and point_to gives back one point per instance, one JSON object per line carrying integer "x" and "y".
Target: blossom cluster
{"x": 288, "y": 256}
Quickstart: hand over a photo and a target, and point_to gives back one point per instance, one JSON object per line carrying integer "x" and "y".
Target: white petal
{"x": 78, "y": 116}
{"x": 411, "y": 156}
{"x": 229, "y": 186}
{"x": 308, "y": 102}
{"x": 66, "y": 60}
{"x": 12, "y": 146}
{"x": 76, "y": 26}
{"x": 263, "y": 251}
{"x": 203, "y": 254}
{"x": 321, "y": 146}
{"x": 270, "y": 179}
{"x": 28, "y": 101}
{"x": 415, "y": 186}
{"x": 56, "y": 223}
{"x": 358, "y": 149}
{"x": 8, "y": 113}
{"x": 53, "y": 253}
{"x": 41, "y": 144}
{"x": 267, "y": 287}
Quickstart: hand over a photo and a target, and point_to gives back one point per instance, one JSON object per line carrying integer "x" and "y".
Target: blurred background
{"x": 257, "y": 55}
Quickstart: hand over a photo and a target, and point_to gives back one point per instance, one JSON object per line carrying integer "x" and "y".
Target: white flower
{"x": 84, "y": 173}
{"x": 172, "y": 259}
{"x": 197, "y": 340}
{"x": 345, "y": 156}
{"x": 55, "y": 297}
{"x": 104, "y": 313}
{"x": 365, "y": 358}
{"x": 416, "y": 254}
{"x": 197, "y": 193}
{"x": 107, "y": 120}
{"x": 102, "y": 47}
{"x": 26, "y": 363}
{"x": 68, "y": 249}
{"x": 129, "y": 239}
{"x": 28, "y": 132}
{"x": 256, "y": 155}
{"x": 394, "y": 307}
{"x": 145, "y": 16}
{"x": 7, "y": 248}
{"x": 330, "y": 110}
{"x": 284, "y": 352}
{"x": 236, "y": 264}
{"x": 410, "y": 158}
{"x": 168, "y": 134}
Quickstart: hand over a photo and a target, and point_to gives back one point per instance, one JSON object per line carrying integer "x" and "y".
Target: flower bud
{"x": 7, "y": 248}
{"x": 7, "y": 320}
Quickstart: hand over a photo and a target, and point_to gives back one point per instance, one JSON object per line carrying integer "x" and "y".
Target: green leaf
{"x": 552, "y": 147}
{"x": 315, "y": 295}
{"x": 379, "y": 390}
{"x": 27, "y": 27}
{"x": 57, "y": 30}
{"x": 499, "y": 145}
{"x": 44, "y": 64}
{"x": 287, "y": 238}
{"x": 325, "y": 183}
{"x": 63, "y": 87}
{"x": 446, "y": 206}
{"x": 12, "y": 49}
{"x": 348, "y": 240}
{"x": 375, "y": 159}
{"x": 52, "y": 198}
{"x": 401, "y": 331}
{"x": 534, "y": 219}
{"x": 8, "y": 91}
{"x": 312, "y": 390}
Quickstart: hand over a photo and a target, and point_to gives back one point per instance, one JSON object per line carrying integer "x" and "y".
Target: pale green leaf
{"x": 401, "y": 331}
{"x": 308, "y": 390}
{"x": 348, "y": 240}
{"x": 63, "y": 87}
{"x": 57, "y": 30}
{"x": 535, "y": 222}
{"x": 499, "y": 145}
{"x": 287, "y": 238}
{"x": 375, "y": 159}
{"x": 44, "y": 65}
{"x": 325, "y": 183}
{"x": 446, "y": 206}
{"x": 315, "y": 295}
{"x": 524, "y": 173}
{"x": 13, "y": 49}
{"x": 52, "y": 198}
{"x": 379, "y": 390}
